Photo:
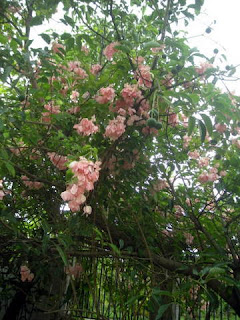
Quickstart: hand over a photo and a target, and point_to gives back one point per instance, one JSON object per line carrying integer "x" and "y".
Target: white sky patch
{"x": 221, "y": 16}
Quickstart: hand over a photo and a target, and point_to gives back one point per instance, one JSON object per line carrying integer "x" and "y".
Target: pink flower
{"x": 110, "y": 50}
{"x": 87, "y": 210}
{"x": 138, "y": 60}
{"x": 74, "y": 96}
{"x": 188, "y": 202}
{"x": 86, "y": 95}
{"x": 57, "y": 46}
{"x": 52, "y": 109}
{"x": 2, "y": 194}
{"x": 86, "y": 173}
{"x": 73, "y": 65}
{"x": 179, "y": 211}
{"x": 95, "y": 69}
{"x": 186, "y": 140}
{"x": 147, "y": 131}
{"x": 80, "y": 73}
{"x": 115, "y": 128}
{"x": 189, "y": 238}
{"x": 144, "y": 76}
{"x": 130, "y": 93}
{"x": 223, "y": 173}
{"x": 158, "y": 49}
{"x": 203, "y": 67}
{"x": 203, "y": 177}
{"x": 34, "y": 185}
{"x": 236, "y": 143}
{"x": 86, "y": 127}
{"x": 133, "y": 119}
{"x": 105, "y": 95}
{"x": 193, "y": 154}
{"x": 57, "y": 160}
{"x": 220, "y": 127}
{"x": 160, "y": 185}
{"x": 73, "y": 110}
{"x": 74, "y": 270}
{"x": 213, "y": 170}
{"x": 203, "y": 162}
{"x": 212, "y": 177}
{"x": 173, "y": 119}
{"x": 26, "y": 274}
{"x": 85, "y": 49}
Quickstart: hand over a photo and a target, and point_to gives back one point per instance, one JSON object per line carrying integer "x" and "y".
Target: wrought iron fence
{"x": 112, "y": 289}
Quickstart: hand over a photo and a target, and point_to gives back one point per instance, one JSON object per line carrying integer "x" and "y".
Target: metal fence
{"x": 112, "y": 289}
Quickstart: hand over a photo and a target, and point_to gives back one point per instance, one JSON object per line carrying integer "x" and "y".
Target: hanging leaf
{"x": 208, "y": 123}
{"x": 46, "y": 37}
{"x": 151, "y": 44}
{"x": 10, "y": 168}
{"x": 191, "y": 124}
{"x": 161, "y": 310}
{"x": 62, "y": 254}
{"x": 202, "y": 130}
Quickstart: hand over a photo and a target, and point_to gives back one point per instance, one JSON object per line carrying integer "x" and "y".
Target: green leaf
{"x": 202, "y": 130}
{"x": 69, "y": 20}
{"x": 121, "y": 243}
{"x": 46, "y": 37}
{"x": 3, "y": 39}
{"x": 10, "y": 168}
{"x": 79, "y": 41}
{"x": 37, "y": 20}
{"x": 123, "y": 48}
{"x": 151, "y": 44}
{"x": 191, "y": 124}
{"x": 115, "y": 249}
{"x": 62, "y": 254}
{"x": 208, "y": 123}
{"x": 161, "y": 310}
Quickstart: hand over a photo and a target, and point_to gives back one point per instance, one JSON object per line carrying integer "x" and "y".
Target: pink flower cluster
{"x": 86, "y": 127}
{"x": 2, "y": 192}
{"x": 57, "y": 160}
{"x": 85, "y": 49}
{"x": 130, "y": 93}
{"x": 57, "y": 46}
{"x": 87, "y": 210}
{"x": 186, "y": 140}
{"x": 203, "y": 67}
{"x": 74, "y": 96}
{"x": 158, "y": 49}
{"x": 86, "y": 173}
{"x": 34, "y": 185}
{"x": 26, "y": 274}
{"x": 188, "y": 237}
{"x": 74, "y": 66}
{"x": 210, "y": 176}
{"x": 148, "y": 131}
{"x": 220, "y": 127}
{"x": 144, "y": 76}
{"x": 173, "y": 119}
{"x": 105, "y": 95}
{"x": 236, "y": 142}
{"x": 193, "y": 154}
{"x": 74, "y": 270}
{"x": 203, "y": 162}
{"x": 51, "y": 110}
{"x": 110, "y": 50}
{"x": 115, "y": 128}
{"x": 95, "y": 69}
{"x": 160, "y": 185}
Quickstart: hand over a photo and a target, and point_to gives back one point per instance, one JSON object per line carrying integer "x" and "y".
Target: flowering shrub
{"x": 132, "y": 135}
